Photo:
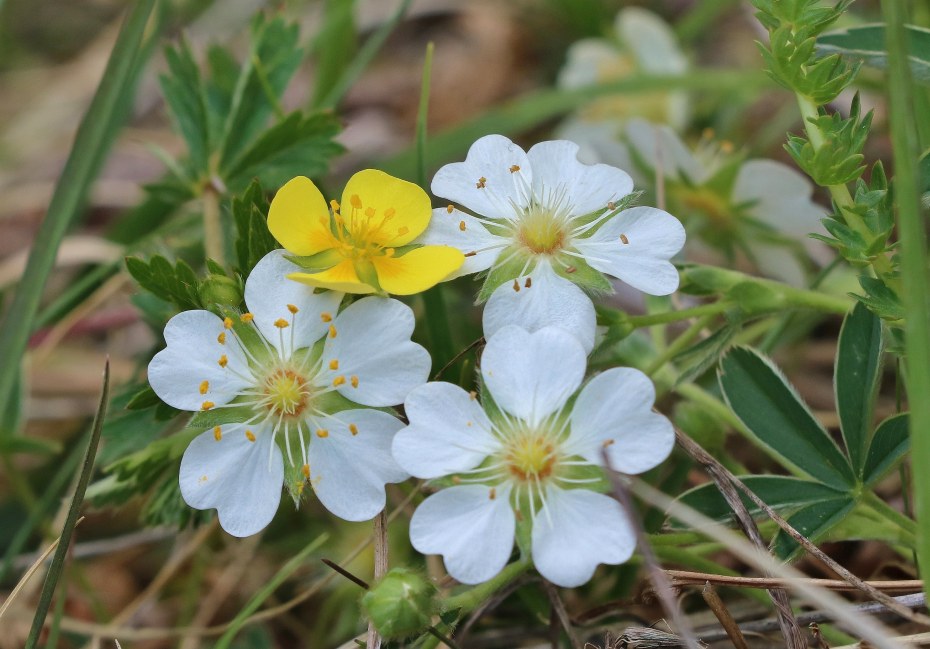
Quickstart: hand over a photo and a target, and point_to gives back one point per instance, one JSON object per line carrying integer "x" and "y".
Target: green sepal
{"x": 583, "y": 275}
{"x": 881, "y": 299}
{"x": 367, "y": 274}
{"x": 207, "y": 419}
{"x": 317, "y": 263}
{"x": 516, "y": 259}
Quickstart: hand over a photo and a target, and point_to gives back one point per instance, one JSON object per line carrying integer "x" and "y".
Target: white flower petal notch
{"x": 542, "y": 223}
{"x": 526, "y": 461}
{"x": 287, "y": 393}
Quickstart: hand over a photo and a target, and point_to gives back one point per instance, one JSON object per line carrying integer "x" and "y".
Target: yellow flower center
{"x": 542, "y": 230}
{"x": 530, "y": 456}
{"x": 287, "y": 392}
{"x": 710, "y": 204}
{"x": 362, "y": 234}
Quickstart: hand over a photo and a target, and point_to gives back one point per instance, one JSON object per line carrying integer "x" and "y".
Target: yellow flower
{"x": 364, "y": 245}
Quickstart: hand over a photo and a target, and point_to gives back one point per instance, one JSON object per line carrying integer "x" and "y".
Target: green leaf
{"x": 186, "y": 99}
{"x": 880, "y": 298}
{"x": 772, "y": 410}
{"x": 889, "y": 444}
{"x": 177, "y": 284}
{"x": 779, "y": 492}
{"x": 866, "y": 43}
{"x": 856, "y": 380}
{"x": 813, "y": 522}
{"x": 334, "y": 45}
{"x": 254, "y": 240}
{"x": 696, "y": 360}
{"x": 301, "y": 145}
{"x": 143, "y": 399}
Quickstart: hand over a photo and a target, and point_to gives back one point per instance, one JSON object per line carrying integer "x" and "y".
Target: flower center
{"x": 288, "y": 392}
{"x": 541, "y": 230}
{"x": 530, "y": 456}
{"x": 364, "y": 232}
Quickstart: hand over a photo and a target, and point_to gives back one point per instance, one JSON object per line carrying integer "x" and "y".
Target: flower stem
{"x": 473, "y": 598}
{"x": 907, "y": 525}
{"x": 679, "y": 344}
{"x": 913, "y": 254}
{"x": 653, "y": 319}
{"x": 212, "y": 226}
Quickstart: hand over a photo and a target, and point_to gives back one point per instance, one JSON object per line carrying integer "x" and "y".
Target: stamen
{"x": 481, "y": 182}
{"x": 529, "y": 282}
{"x": 492, "y": 494}
{"x": 471, "y": 254}
{"x": 204, "y": 387}
{"x": 516, "y": 285}
{"x": 339, "y": 380}
{"x": 223, "y": 360}
{"x": 354, "y": 381}
{"x": 402, "y": 231}
{"x": 514, "y": 168}
{"x": 450, "y": 208}
{"x": 353, "y": 429}
{"x": 624, "y": 239}
{"x": 473, "y": 395}
{"x": 249, "y": 435}
{"x": 227, "y": 322}
{"x": 608, "y": 443}
{"x": 389, "y": 213}
{"x": 570, "y": 270}
{"x": 332, "y": 331}
{"x": 221, "y": 339}
{"x": 389, "y": 252}
{"x": 281, "y": 323}
{"x": 206, "y": 405}
{"x": 217, "y": 433}
{"x": 322, "y": 432}
{"x": 293, "y": 309}
{"x": 326, "y": 317}
{"x": 334, "y": 364}
{"x": 611, "y": 206}
{"x": 247, "y": 317}
{"x": 334, "y": 204}
{"x": 462, "y": 226}
{"x": 305, "y": 470}
{"x": 356, "y": 201}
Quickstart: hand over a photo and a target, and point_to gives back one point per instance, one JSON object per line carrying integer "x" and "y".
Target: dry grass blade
{"x": 723, "y": 615}
{"x": 718, "y": 469}
{"x": 560, "y": 617}
{"x": 689, "y": 578}
{"x": 725, "y": 482}
{"x": 373, "y": 640}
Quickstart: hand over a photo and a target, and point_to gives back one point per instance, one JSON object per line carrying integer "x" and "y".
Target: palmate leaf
{"x": 186, "y": 98}
{"x": 813, "y": 522}
{"x": 856, "y": 380}
{"x": 177, "y": 284}
{"x": 772, "y": 410}
{"x": 889, "y": 444}
{"x": 254, "y": 240}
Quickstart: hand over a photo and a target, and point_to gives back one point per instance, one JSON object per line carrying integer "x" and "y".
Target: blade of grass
{"x": 286, "y": 570}
{"x": 366, "y": 53}
{"x": 28, "y": 575}
{"x": 913, "y": 242}
{"x": 58, "y": 561}
{"x": 93, "y": 138}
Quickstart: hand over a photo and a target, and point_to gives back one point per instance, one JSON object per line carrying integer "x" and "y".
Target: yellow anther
{"x": 389, "y": 213}
{"x": 334, "y": 204}
{"x": 462, "y": 226}
{"x": 223, "y": 360}
{"x": 516, "y": 285}
{"x": 473, "y": 395}
{"x": 402, "y": 231}
{"x": 281, "y": 323}
{"x": 470, "y": 254}
{"x": 492, "y": 494}
{"x": 217, "y": 433}
{"x": 206, "y": 405}
{"x": 469, "y": 423}
{"x": 221, "y": 339}
{"x": 322, "y": 432}
{"x": 293, "y": 309}
{"x": 514, "y": 168}
{"x": 529, "y": 282}
{"x": 339, "y": 380}
{"x": 305, "y": 469}
{"x": 707, "y": 133}
{"x": 450, "y": 208}
{"x": 608, "y": 443}
{"x": 624, "y": 239}
{"x": 353, "y": 429}
{"x": 726, "y": 146}
{"x": 332, "y": 331}
{"x": 389, "y": 252}
{"x": 249, "y": 435}
{"x": 204, "y": 387}
{"x": 481, "y": 182}
{"x": 611, "y": 206}
{"x": 334, "y": 364}
{"x": 325, "y": 317}
{"x": 370, "y": 212}
{"x": 356, "y": 201}
{"x": 247, "y": 317}
{"x": 354, "y": 381}
{"x": 227, "y": 322}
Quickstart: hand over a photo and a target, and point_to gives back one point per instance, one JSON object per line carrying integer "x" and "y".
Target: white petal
{"x": 651, "y": 236}
{"x": 614, "y": 411}
{"x": 575, "y": 531}
{"x": 448, "y": 432}
{"x": 583, "y": 62}
{"x": 373, "y": 344}
{"x": 598, "y": 141}
{"x": 241, "y": 479}
{"x": 532, "y": 375}
{"x": 550, "y": 300}
{"x": 491, "y": 157}
{"x": 651, "y": 40}
{"x": 348, "y": 472}
{"x": 782, "y": 197}
{"x": 268, "y": 294}
{"x": 556, "y": 169}
{"x": 177, "y": 373}
{"x": 778, "y": 262}
{"x": 471, "y": 530}
{"x": 661, "y": 150}
{"x": 445, "y": 229}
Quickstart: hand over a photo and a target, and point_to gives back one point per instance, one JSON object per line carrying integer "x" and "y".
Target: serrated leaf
{"x": 772, "y": 410}
{"x": 696, "y": 360}
{"x": 177, "y": 284}
{"x": 186, "y": 98}
{"x": 866, "y": 43}
{"x": 856, "y": 380}
{"x": 813, "y": 522}
{"x": 880, "y": 299}
{"x": 890, "y": 442}
{"x": 779, "y": 492}
{"x": 254, "y": 240}
{"x": 143, "y": 399}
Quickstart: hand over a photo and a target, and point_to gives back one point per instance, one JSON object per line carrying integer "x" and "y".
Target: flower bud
{"x": 218, "y": 289}
{"x": 401, "y": 604}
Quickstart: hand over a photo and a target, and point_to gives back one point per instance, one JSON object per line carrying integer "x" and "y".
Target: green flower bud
{"x": 218, "y": 289}
{"x": 401, "y": 604}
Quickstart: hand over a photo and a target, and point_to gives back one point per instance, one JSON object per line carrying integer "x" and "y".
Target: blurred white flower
{"x": 294, "y": 377}
{"x": 525, "y": 463}
{"x": 542, "y": 224}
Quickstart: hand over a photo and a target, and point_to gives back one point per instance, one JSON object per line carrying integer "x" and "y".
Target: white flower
{"x": 295, "y": 382}
{"x": 541, "y": 223}
{"x": 762, "y": 204}
{"x": 530, "y": 459}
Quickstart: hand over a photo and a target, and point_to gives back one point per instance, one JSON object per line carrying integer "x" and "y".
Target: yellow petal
{"x": 377, "y": 190}
{"x": 341, "y": 277}
{"x": 418, "y": 270}
{"x": 299, "y": 218}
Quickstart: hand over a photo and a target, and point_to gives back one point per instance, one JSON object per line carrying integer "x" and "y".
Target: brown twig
{"x": 373, "y": 639}
{"x": 660, "y": 580}
{"x": 688, "y": 578}
{"x": 708, "y": 461}
{"x": 560, "y": 617}
{"x": 726, "y": 620}
{"x": 358, "y": 581}
{"x": 457, "y": 357}
{"x": 726, "y": 484}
